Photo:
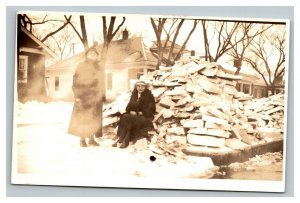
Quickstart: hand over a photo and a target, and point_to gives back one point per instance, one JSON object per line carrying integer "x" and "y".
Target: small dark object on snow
{"x": 152, "y": 158}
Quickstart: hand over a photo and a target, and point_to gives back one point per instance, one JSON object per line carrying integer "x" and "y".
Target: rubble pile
{"x": 267, "y": 112}
{"x": 198, "y": 104}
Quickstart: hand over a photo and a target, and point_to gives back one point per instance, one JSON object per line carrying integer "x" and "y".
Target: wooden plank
{"x": 214, "y": 120}
{"x": 217, "y": 126}
{"x": 278, "y": 108}
{"x": 209, "y": 71}
{"x": 217, "y": 113}
{"x": 210, "y": 87}
{"x": 236, "y": 132}
{"x": 194, "y": 88}
{"x": 183, "y": 101}
{"x": 218, "y": 133}
{"x": 198, "y": 131}
{"x": 182, "y": 115}
{"x": 176, "y": 131}
{"x": 158, "y": 91}
{"x": 222, "y": 74}
{"x": 230, "y": 90}
{"x": 205, "y": 140}
{"x": 193, "y": 67}
{"x": 168, "y": 113}
{"x": 192, "y": 123}
{"x": 166, "y": 102}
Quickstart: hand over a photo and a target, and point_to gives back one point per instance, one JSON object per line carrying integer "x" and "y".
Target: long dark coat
{"x": 130, "y": 126}
{"x": 88, "y": 91}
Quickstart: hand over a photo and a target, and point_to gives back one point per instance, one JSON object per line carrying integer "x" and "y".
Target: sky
{"x": 138, "y": 25}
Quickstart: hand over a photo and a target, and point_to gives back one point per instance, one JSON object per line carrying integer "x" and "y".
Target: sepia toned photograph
{"x": 149, "y": 101}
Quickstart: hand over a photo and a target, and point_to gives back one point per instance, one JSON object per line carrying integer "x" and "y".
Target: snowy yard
{"x": 43, "y": 148}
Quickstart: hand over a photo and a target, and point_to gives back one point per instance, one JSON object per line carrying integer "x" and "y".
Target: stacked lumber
{"x": 197, "y": 104}
{"x": 268, "y": 112}
{"x": 194, "y": 102}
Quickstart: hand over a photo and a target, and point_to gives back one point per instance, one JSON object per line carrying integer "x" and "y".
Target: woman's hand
{"x": 140, "y": 113}
{"x": 133, "y": 113}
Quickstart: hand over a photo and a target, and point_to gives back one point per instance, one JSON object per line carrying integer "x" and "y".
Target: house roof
{"x": 46, "y": 49}
{"x": 120, "y": 51}
{"x": 177, "y": 47}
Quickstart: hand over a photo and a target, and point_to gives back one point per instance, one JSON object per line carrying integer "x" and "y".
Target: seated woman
{"x": 139, "y": 114}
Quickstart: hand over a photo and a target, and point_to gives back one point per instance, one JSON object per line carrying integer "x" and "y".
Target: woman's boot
{"x": 82, "y": 142}
{"x": 93, "y": 142}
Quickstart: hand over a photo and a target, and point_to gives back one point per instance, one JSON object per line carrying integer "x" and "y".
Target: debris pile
{"x": 198, "y": 104}
{"x": 267, "y": 112}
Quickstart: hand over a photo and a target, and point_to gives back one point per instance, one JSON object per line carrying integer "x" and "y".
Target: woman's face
{"x": 92, "y": 55}
{"x": 140, "y": 88}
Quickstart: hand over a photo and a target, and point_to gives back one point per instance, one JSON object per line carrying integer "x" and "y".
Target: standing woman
{"x": 139, "y": 114}
{"x": 88, "y": 91}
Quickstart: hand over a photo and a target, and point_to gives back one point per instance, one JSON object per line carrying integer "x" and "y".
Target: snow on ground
{"x": 43, "y": 147}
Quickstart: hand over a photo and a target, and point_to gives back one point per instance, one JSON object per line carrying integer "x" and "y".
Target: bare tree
{"x": 30, "y": 22}
{"x": 158, "y": 29}
{"x": 62, "y": 44}
{"x": 247, "y": 32}
{"x": 225, "y": 31}
{"x": 83, "y": 36}
{"x": 108, "y": 34}
{"x": 267, "y": 57}
{"x": 171, "y": 29}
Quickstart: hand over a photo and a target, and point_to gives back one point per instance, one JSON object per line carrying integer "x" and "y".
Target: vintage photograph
{"x": 148, "y": 101}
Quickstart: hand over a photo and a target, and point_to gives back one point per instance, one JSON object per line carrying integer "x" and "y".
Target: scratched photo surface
{"x": 141, "y": 101}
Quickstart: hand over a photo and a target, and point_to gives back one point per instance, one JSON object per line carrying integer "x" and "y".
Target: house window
{"x": 246, "y": 88}
{"x": 238, "y": 87}
{"x": 56, "y": 83}
{"x": 22, "y": 69}
{"x": 109, "y": 81}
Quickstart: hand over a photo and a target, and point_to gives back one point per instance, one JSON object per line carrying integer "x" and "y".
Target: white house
{"x": 127, "y": 59}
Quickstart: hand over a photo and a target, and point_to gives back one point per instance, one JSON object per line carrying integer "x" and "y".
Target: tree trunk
{"x": 84, "y": 35}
